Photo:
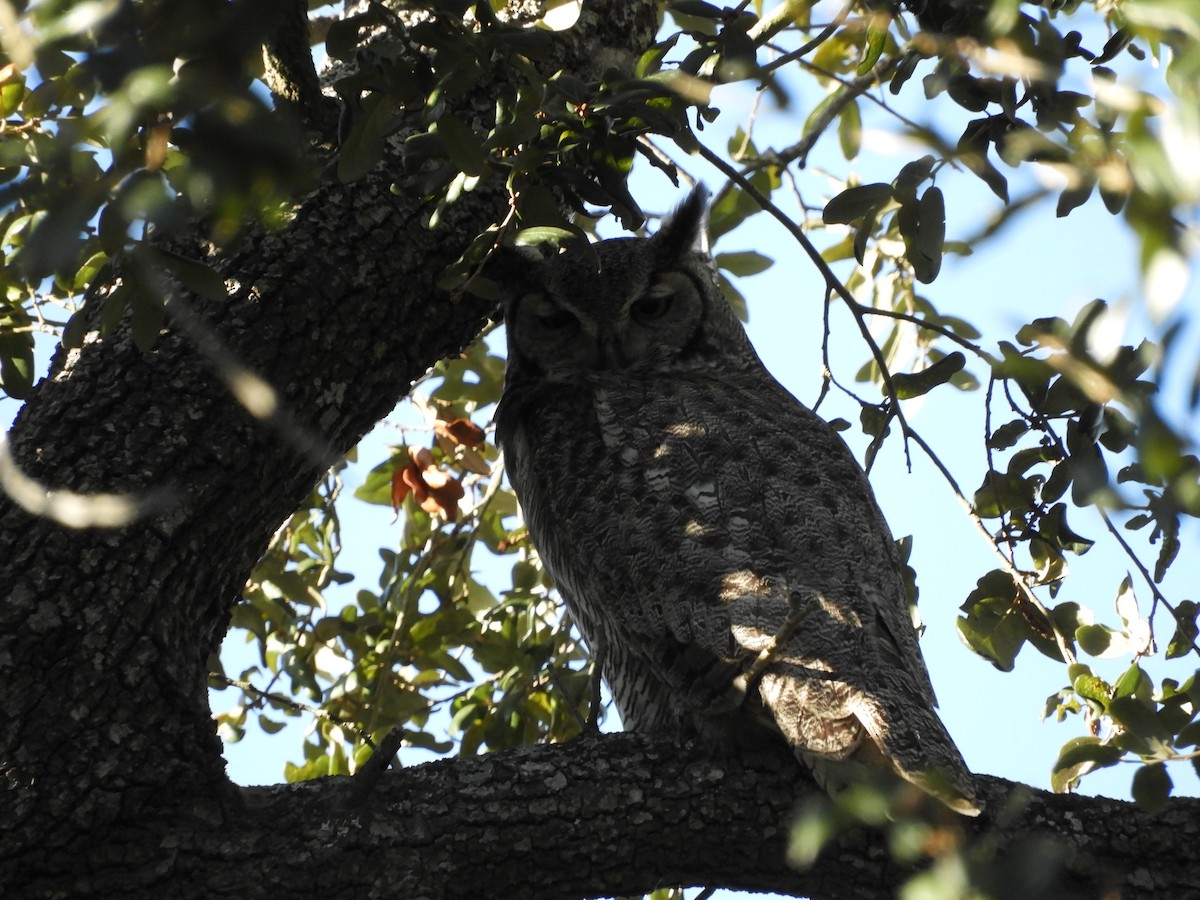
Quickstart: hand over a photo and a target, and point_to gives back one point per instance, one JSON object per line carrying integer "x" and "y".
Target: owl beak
{"x": 612, "y": 352}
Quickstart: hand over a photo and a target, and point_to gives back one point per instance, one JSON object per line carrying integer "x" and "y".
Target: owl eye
{"x": 554, "y": 318}
{"x": 654, "y": 304}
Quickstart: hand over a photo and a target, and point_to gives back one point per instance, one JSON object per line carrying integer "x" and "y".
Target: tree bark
{"x": 114, "y": 782}
{"x": 602, "y": 816}
{"x": 105, "y": 635}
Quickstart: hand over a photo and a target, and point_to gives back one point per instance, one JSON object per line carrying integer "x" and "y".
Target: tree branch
{"x": 619, "y": 814}
{"x": 290, "y": 73}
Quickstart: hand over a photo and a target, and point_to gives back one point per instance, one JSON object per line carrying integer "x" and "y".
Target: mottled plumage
{"x": 716, "y": 542}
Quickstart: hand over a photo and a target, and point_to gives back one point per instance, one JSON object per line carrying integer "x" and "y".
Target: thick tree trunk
{"x": 113, "y": 776}
{"x": 105, "y": 635}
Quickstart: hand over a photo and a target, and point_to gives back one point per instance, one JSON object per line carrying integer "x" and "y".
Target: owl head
{"x": 626, "y": 305}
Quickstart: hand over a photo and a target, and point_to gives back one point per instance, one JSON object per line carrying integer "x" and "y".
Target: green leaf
{"x": 926, "y": 251}
{"x": 1076, "y": 670}
{"x": 1060, "y": 704}
{"x": 874, "y": 420}
{"x": 1007, "y": 434}
{"x": 1140, "y": 718}
{"x": 12, "y": 92}
{"x": 970, "y": 93}
{"x": 744, "y": 263}
{"x": 1048, "y": 562}
{"x": 362, "y": 148}
{"x": 1002, "y": 493}
{"x": 1103, "y": 642}
{"x": 447, "y": 663}
{"x": 1189, "y": 735}
{"x": 1092, "y": 687}
{"x": 16, "y": 366}
{"x": 1054, "y": 527}
{"x": 462, "y": 145}
{"x": 856, "y": 202}
{"x": 816, "y": 825}
{"x": 1075, "y": 196}
{"x": 850, "y": 130}
{"x": 912, "y": 175}
{"x": 996, "y": 633}
{"x": 1151, "y": 787}
{"x": 426, "y": 741}
{"x": 88, "y": 270}
{"x": 1078, "y": 757}
{"x": 993, "y": 626}
{"x": 920, "y": 383}
{"x": 16, "y": 353}
{"x": 52, "y": 245}
{"x": 1134, "y": 682}
{"x": 1139, "y": 631}
{"x": 1069, "y": 616}
{"x": 148, "y": 311}
{"x": 194, "y": 275}
{"x": 735, "y": 206}
{"x": 819, "y": 112}
{"x": 377, "y": 486}
{"x": 1186, "y": 629}
{"x": 651, "y": 61}
{"x": 542, "y": 234}
{"x": 877, "y": 33}
{"x": 862, "y": 234}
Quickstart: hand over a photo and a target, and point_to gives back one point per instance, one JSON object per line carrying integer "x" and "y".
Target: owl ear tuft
{"x": 682, "y": 229}
{"x": 514, "y": 270}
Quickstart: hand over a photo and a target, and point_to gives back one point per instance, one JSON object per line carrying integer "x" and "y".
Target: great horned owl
{"x": 715, "y": 541}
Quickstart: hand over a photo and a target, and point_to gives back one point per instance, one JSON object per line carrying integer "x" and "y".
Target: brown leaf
{"x": 461, "y": 431}
{"x": 436, "y": 492}
{"x": 400, "y": 489}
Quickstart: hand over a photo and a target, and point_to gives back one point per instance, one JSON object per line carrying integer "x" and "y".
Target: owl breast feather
{"x": 645, "y": 497}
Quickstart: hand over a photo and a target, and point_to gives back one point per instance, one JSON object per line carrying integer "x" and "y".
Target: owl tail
{"x": 846, "y": 735}
{"x": 918, "y": 748}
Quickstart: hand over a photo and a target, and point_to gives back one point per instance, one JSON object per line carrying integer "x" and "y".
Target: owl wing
{"x": 813, "y": 625}
{"x": 856, "y": 701}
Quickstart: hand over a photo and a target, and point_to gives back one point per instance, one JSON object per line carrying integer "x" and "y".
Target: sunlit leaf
{"x": 1079, "y": 756}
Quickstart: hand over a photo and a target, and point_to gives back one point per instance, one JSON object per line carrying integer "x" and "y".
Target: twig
{"x": 1145, "y": 573}
{"x": 795, "y": 617}
{"x": 847, "y": 93}
{"x": 372, "y": 770}
{"x": 831, "y": 281}
{"x": 279, "y": 699}
{"x": 1017, "y": 577}
{"x": 882, "y": 104}
{"x": 929, "y": 326}
{"x": 780, "y": 17}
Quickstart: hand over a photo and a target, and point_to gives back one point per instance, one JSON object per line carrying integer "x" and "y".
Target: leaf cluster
{"x": 123, "y": 122}
{"x": 431, "y": 651}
